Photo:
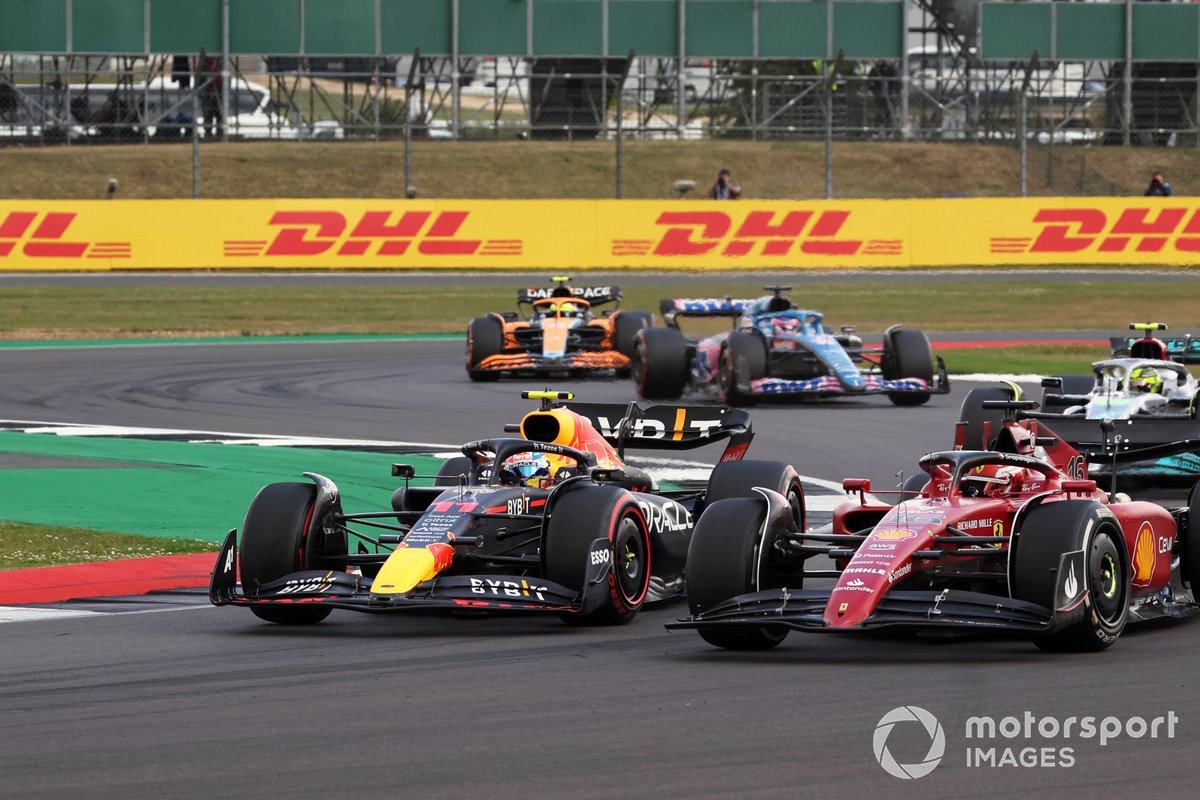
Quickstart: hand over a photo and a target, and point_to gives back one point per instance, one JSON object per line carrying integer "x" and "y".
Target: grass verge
{"x": 1013, "y": 303}
{"x": 23, "y": 545}
{"x": 585, "y": 169}
{"x": 1024, "y": 360}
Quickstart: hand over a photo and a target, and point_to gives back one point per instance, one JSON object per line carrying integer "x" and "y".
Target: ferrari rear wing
{"x": 596, "y": 295}
{"x": 1184, "y": 349}
{"x": 676, "y": 427}
{"x": 702, "y": 307}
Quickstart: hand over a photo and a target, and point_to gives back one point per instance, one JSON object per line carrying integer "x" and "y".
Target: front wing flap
{"x": 500, "y": 593}
{"x": 917, "y": 610}
{"x": 533, "y": 362}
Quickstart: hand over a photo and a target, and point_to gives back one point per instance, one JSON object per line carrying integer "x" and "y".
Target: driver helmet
{"x": 778, "y": 304}
{"x": 992, "y": 480}
{"x": 531, "y": 469}
{"x": 1145, "y": 379}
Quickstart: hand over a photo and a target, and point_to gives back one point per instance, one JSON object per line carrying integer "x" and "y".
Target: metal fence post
{"x": 1127, "y": 77}
{"x": 195, "y": 143}
{"x": 225, "y": 82}
{"x": 408, "y": 112}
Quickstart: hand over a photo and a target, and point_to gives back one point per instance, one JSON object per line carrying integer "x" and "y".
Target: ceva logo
{"x": 930, "y": 728}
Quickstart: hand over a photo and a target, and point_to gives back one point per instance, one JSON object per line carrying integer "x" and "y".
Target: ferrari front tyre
{"x": 485, "y": 338}
{"x": 626, "y": 327}
{"x": 976, "y": 416}
{"x": 582, "y": 514}
{"x": 731, "y": 479}
{"x": 660, "y": 363}
{"x": 275, "y": 536}
{"x": 907, "y": 354}
{"x": 743, "y": 360}
{"x": 722, "y": 563}
{"x": 1065, "y": 526}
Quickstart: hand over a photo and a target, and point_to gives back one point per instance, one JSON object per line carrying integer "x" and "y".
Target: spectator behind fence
{"x": 210, "y": 92}
{"x": 1158, "y": 186}
{"x": 725, "y": 188}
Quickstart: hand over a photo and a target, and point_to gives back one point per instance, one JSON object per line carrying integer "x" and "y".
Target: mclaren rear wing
{"x": 596, "y": 295}
{"x": 675, "y": 427}
{"x": 671, "y": 310}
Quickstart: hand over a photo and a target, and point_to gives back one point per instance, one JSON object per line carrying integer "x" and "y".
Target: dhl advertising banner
{"x": 581, "y": 234}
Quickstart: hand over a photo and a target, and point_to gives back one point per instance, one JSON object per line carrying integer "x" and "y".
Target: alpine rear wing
{"x": 596, "y": 295}
{"x": 675, "y": 427}
{"x": 732, "y": 307}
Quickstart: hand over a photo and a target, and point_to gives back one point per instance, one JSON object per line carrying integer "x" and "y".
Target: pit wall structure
{"x": 336, "y": 234}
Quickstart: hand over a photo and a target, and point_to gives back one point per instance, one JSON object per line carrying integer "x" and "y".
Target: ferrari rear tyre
{"x": 582, "y": 514}
{"x": 731, "y": 479}
{"x": 660, "y": 363}
{"x": 722, "y": 564}
{"x": 275, "y": 535}
{"x": 907, "y": 354}
{"x": 1065, "y": 526}
{"x": 743, "y": 360}
{"x": 975, "y": 415}
{"x": 1190, "y": 550}
{"x": 912, "y": 487}
{"x": 485, "y": 338}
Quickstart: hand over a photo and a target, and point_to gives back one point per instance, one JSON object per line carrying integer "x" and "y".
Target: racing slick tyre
{"x": 1065, "y": 526}
{"x": 627, "y": 325}
{"x": 660, "y": 363}
{"x": 907, "y": 354}
{"x": 485, "y": 338}
{"x": 275, "y": 536}
{"x": 581, "y": 515}
{"x": 1189, "y": 561}
{"x": 451, "y": 468}
{"x": 975, "y": 415}
{"x": 912, "y": 487}
{"x": 722, "y": 560}
{"x": 731, "y": 479}
{"x": 743, "y": 359}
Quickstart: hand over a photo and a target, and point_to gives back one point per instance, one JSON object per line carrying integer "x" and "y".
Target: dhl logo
{"x": 1145, "y": 230}
{"x": 380, "y": 233}
{"x": 698, "y": 233}
{"x": 22, "y": 230}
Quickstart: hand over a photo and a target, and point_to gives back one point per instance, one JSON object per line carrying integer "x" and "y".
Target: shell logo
{"x": 1144, "y": 556}
{"x": 895, "y": 535}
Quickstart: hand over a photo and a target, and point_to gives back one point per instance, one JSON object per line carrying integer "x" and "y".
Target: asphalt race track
{"x": 186, "y": 700}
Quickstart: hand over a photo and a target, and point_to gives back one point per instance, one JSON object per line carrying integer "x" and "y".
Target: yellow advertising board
{"x": 582, "y": 234}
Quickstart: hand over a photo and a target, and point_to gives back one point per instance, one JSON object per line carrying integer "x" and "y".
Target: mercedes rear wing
{"x": 732, "y": 307}
{"x": 1184, "y": 349}
{"x": 1123, "y": 440}
{"x": 669, "y": 427}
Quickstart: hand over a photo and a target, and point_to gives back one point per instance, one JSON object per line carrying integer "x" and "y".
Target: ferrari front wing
{"x": 917, "y": 610}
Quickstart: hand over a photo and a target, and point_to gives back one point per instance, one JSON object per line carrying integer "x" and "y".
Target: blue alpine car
{"x": 776, "y": 349}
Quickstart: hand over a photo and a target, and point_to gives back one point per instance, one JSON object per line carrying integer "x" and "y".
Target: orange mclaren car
{"x": 555, "y": 331}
